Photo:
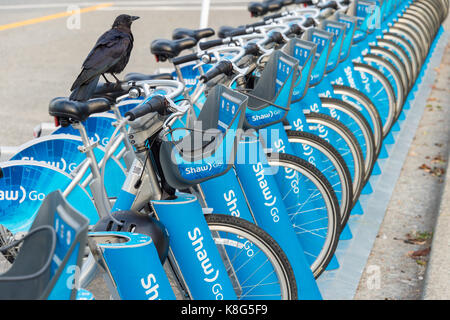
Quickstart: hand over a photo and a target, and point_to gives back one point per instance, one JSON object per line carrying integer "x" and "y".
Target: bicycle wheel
{"x": 417, "y": 29}
{"x": 406, "y": 47}
{"x": 360, "y": 128}
{"x": 332, "y": 166}
{"x": 394, "y": 77}
{"x": 398, "y": 64}
{"x": 427, "y": 18}
{"x": 312, "y": 207}
{"x": 426, "y": 26}
{"x": 344, "y": 142}
{"x": 405, "y": 32}
{"x": 361, "y": 102}
{"x": 400, "y": 53}
{"x": 383, "y": 98}
{"x": 257, "y": 266}
{"x": 427, "y": 10}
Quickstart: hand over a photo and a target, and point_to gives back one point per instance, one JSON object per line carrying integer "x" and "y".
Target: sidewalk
{"x": 437, "y": 280}
{"x": 408, "y": 250}
{"x": 437, "y": 277}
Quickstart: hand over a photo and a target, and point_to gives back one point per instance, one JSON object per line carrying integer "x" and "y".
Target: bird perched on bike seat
{"x": 110, "y": 55}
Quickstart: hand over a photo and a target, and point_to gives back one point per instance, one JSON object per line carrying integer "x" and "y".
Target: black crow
{"x": 109, "y": 55}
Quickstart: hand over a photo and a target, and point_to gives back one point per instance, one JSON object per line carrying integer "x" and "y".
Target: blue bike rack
{"x": 341, "y": 284}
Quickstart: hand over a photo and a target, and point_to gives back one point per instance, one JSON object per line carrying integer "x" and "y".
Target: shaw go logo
{"x": 21, "y": 195}
{"x": 61, "y": 164}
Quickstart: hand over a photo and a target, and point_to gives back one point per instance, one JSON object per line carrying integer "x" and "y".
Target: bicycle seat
{"x": 197, "y": 34}
{"x": 64, "y": 108}
{"x": 274, "y": 5}
{"x": 136, "y": 76}
{"x": 257, "y": 9}
{"x": 224, "y": 31}
{"x": 165, "y": 49}
{"x": 110, "y": 91}
{"x": 210, "y": 151}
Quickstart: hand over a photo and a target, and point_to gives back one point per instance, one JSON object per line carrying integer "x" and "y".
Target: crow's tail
{"x": 85, "y": 91}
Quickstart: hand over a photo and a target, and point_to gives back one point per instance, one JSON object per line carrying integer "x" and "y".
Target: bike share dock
{"x": 342, "y": 283}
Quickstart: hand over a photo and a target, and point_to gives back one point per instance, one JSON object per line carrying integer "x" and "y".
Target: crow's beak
{"x": 134, "y": 18}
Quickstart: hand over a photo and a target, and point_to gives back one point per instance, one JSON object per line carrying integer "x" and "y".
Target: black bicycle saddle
{"x": 197, "y": 34}
{"x": 165, "y": 49}
{"x": 64, "y": 108}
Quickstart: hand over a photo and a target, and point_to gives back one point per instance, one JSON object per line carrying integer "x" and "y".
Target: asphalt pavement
{"x": 40, "y": 61}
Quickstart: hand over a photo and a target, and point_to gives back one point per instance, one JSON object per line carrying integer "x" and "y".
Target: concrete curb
{"x": 437, "y": 278}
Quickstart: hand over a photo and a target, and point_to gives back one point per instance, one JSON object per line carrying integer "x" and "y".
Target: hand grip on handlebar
{"x": 237, "y": 32}
{"x": 223, "y": 67}
{"x": 294, "y": 29}
{"x": 254, "y": 25}
{"x": 188, "y": 58}
{"x": 184, "y": 59}
{"x": 275, "y": 36}
{"x": 251, "y": 49}
{"x": 273, "y": 16}
{"x": 309, "y": 22}
{"x": 155, "y": 104}
{"x": 211, "y": 43}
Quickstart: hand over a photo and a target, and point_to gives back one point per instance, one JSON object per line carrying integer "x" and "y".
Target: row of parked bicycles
{"x": 231, "y": 177}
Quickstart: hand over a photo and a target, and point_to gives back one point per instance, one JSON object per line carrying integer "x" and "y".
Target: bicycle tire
{"x": 427, "y": 10}
{"x": 405, "y": 32}
{"x": 364, "y": 128}
{"x": 406, "y": 46}
{"x": 316, "y": 221}
{"x": 395, "y": 61}
{"x": 426, "y": 26}
{"x": 219, "y": 224}
{"x": 359, "y": 100}
{"x": 418, "y": 29}
{"x": 400, "y": 95}
{"x": 427, "y": 15}
{"x": 332, "y": 155}
{"x": 317, "y": 119}
{"x": 396, "y": 49}
{"x": 374, "y": 72}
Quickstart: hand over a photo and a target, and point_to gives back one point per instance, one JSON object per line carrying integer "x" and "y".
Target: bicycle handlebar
{"x": 255, "y": 24}
{"x": 211, "y": 43}
{"x": 238, "y": 32}
{"x": 223, "y": 67}
{"x": 310, "y": 22}
{"x": 294, "y": 29}
{"x": 275, "y": 36}
{"x": 156, "y": 104}
{"x": 273, "y": 16}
